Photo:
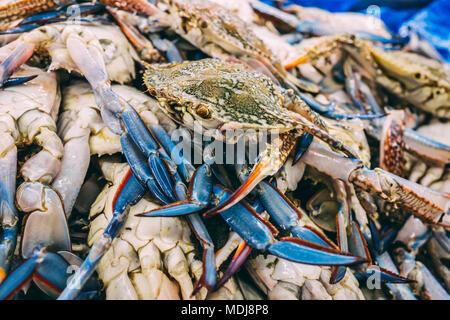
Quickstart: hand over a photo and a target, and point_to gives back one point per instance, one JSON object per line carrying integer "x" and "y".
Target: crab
{"x": 223, "y": 96}
{"x": 420, "y": 81}
{"x": 12, "y": 10}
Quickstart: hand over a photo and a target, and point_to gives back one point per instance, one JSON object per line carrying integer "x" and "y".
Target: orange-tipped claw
{"x": 238, "y": 259}
{"x": 295, "y": 63}
{"x": 257, "y": 175}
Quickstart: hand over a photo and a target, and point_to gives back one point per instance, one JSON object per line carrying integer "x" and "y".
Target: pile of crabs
{"x": 105, "y": 192}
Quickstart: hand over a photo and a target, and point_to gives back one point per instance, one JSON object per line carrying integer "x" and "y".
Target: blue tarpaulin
{"x": 429, "y": 19}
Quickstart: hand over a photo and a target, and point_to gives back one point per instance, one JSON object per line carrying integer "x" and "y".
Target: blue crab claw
{"x": 357, "y": 245}
{"x": 286, "y": 214}
{"x": 302, "y": 145}
{"x": 50, "y": 271}
{"x": 198, "y": 190}
{"x": 16, "y": 81}
{"x": 62, "y": 14}
{"x": 376, "y": 240}
{"x": 140, "y": 167}
{"x": 41, "y": 266}
{"x": 209, "y": 275}
{"x": 149, "y": 146}
{"x": 242, "y": 252}
{"x": 198, "y": 196}
{"x": 184, "y": 167}
{"x": 20, "y": 29}
{"x": 401, "y": 291}
{"x": 129, "y": 193}
{"x": 18, "y": 57}
{"x": 269, "y": 163}
{"x": 9, "y": 224}
{"x": 330, "y": 112}
{"x": 259, "y": 234}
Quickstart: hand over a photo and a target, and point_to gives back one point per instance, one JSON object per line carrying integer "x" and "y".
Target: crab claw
{"x": 20, "y": 29}
{"x": 40, "y": 266}
{"x": 302, "y": 145}
{"x": 17, "y": 57}
{"x": 129, "y": 193}
{"x": 357, "y": 245}
{"x": 259, "y": 234}
{"x": 140, "y": 167}
{"x": 198, "y": 197}
{"x": 16, "y": 81}
{"x": 400, "y": 291}
{"x": 50, "y": 271}
{"x": 209, "y": 275}
{"x": 287, "y": 215}
{"x": 56, "y": 15}
{"x": 8, "y": 213}
{"x": 200, "y": 180}
{"x": 270, "y": 161}
{"x": 242, "y": 252}
{"x": 149, "y": 146}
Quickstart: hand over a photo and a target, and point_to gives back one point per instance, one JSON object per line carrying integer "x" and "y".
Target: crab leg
{"x": 421, "y": 201}
{"x": 328, "y": 110}
{"x": 39, "y": 19}
{"x": 140, "y": 167}
{"x": 130, "y": 192}
{"x": 273, "y": 158}
{"x": 141, "y": 43}
{"x": 47, "y": 269}
{"x": 117, "y": 112}
{"x": 259, "y": 234}
{"x": 415, "y": 143}
{"x": 400, "y": 291}
{"x": 17, "y": 9}
{"x": 357, "y": 245}
{"x": 8, "y": 214}
{"x": 196, "y": 199}
{"x": 315, "y": 27}
{"x": 17, "y": 57}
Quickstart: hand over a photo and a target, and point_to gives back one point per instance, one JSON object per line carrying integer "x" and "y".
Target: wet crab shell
{"x": 218, "y": 93}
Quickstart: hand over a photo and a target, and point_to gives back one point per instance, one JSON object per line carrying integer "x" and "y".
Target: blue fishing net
{"x": 429, "y": 19}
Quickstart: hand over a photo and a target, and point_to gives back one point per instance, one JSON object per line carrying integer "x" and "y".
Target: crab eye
{"x": 203, "y": 24}
{"x": 203, "y": 112}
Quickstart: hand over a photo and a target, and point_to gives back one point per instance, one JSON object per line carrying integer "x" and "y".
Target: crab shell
{"x": 215, "y": 30}
{"x": 219, "y": 94}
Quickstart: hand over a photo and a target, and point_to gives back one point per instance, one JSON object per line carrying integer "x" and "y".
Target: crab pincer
{"x": 129, "y": 193}
{"x": 118, "y": 114}
{"x": 191, "y": 201}
{"x": 260, "y": 234}
{"x": 61, "y": 14}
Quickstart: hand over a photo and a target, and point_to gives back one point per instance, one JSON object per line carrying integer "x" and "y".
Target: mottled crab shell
{"x": 213, "y": 28}
{"x": 216, "y": 92}
{"x": 15, "y": 9}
